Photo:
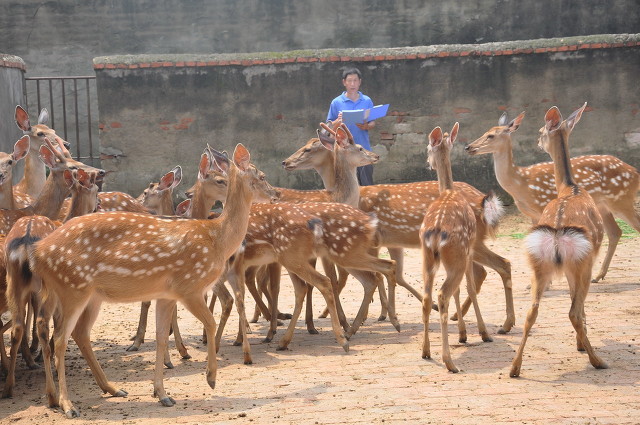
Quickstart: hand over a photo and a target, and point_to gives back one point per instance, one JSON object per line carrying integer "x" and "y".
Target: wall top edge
{"x": 544, "y": 45}
{"x": 11, "y": 61}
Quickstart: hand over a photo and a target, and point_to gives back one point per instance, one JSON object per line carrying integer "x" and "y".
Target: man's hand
{"x": 367, "y": 125}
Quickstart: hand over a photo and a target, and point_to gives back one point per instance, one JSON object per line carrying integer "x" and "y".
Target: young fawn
{"x": 567, "y": 237}
{"x": 612, "y": 183}
{"x": 130, "y": 257}
{"x": 447, "y": 236}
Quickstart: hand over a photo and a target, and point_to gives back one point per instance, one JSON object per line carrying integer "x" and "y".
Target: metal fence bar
{"x": 81, "y": 116}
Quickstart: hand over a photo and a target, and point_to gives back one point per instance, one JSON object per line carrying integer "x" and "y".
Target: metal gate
{"x": 70, "y": 101}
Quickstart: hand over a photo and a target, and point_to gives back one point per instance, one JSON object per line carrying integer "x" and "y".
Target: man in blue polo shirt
{"x": 351, "y": 99}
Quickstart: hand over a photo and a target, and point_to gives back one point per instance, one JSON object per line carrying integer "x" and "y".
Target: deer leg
{"x": 397, "y": 254}
{"x": 238, "y": 289}
{"x": 32, "y": 310}
{"x": 479, "y": 274}
{"x": 273, "y": 270}
{"x": 449, "y": 287}
{"x": 274, "y": 291}
{"x": 227, "y": 304}
{"x": 471, "y": 290}
{"x": 429, "y": 268}
{"x": 308, "y": 316}
{"x": 542, "y": 276}
{"x": 462, "y": 327}
{"x": 164, "y": 311}
{"x": 579, "y": 278}
{"x": 82, "y": 336}
{"x": 177, "y": 337}
{"x": 369, "y": 283}
{"x": 4, "y": 360}
{"x": 212, "y": 305}
{"x": 322, "y": 283}
{"x": 300, "y": 290}
{"x": 613, "y": 232}
{"x": 502, "y": 266}
{"x": 337, "y": 282}
{"x": 138, "y": 338}
{"x": 42, "y": 326}
{"x": 35, "y": 302}
{"x": 196, "y": 305}
{"x": 260, "y": 307}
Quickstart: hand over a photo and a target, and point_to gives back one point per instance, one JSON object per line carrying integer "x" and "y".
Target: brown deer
{"x": 21, "y": 286}
{"x": 33, "y": 180}
{"x": 129, "y": 257}
{"x": 447, "y": 237}
{"x": 158, "y": 200}
{"x": 400, "y": 209}
{"x": 7, "y": 162}
{"x": 612, "y": 184}
{"x": 567, "y": 237}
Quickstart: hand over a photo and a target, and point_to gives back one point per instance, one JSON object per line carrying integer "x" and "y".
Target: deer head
{"x": 8, "y": 161}
{"x": 157, "y": 197}
{"x": 497, "y": 139}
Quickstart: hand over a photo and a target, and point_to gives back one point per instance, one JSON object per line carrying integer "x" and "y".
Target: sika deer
{"x": 129, "y": 257}
{"x": 7, "y": 162}
{"x": 612, "y": 184}
{"x": 447, "y": 236}
{"x": 567, "y": 237}
{"x": 21, "y": 285}
{"x": 158, "y": 200}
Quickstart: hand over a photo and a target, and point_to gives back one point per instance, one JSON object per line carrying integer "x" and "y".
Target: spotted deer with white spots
{"x": 7, "y": 162}
{"x": 400, "y": 210}
{"x": 447, "y": 237}
{"x": 566, "y": 239}
{"x": 21, "y": 284}
{"x": 130, "y": 257}
{"x": 32, "y": 183}
{"x": 612, "y": 183}
{"x": 158, "y": 200}
{"x": 54, "y": 192}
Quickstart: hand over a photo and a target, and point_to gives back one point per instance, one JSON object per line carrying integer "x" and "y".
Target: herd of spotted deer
{"x": 62, "y": 256}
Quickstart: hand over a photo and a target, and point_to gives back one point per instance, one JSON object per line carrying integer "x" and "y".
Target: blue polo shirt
{"x": 343, "y": 103}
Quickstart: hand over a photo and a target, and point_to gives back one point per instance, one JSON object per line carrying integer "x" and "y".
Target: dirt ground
{"x": 383, "y": 378}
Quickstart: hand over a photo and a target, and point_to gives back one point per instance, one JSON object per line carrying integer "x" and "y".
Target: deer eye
{"x": 490, "y": 136}
{"x": 307, "y": 150}
{"x": 40, "y": 134}
{"x": 261, "y": 178}
{"x": 10, "y": 162}
{"x": 73, "y": 167}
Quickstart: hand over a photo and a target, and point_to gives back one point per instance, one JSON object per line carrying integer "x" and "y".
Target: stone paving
{"x": 383, "y": 378}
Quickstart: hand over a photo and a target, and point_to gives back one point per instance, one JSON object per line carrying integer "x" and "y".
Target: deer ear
{"x": 21, "y": 148}
{"x": 177, "y": 171}
{"x": 342, "y": 139}
{"x": 515, "y": 124}
{"x": 183, "y": 207}
{"x": 203, "y": 166}
{"x": 435, "y": 137}
{"x": 454, "y": 133}
{"x": 47, "y": 156}
{"x": 43, "y": 118}
{"x": 504, "y": 119}
{"x": 325, "y": 140}
{"x": 22, "y": 119}
{"x": 83, "y": 178}
{"x": 575, "y": 117}
{"x": 553, "y": 119}
{"x": 68, "y": 177}
{"x": 241, "y": 157}
{"x": 166, "y": 182}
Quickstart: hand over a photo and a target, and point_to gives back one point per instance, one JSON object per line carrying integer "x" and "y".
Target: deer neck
{"x": 326, "y": 170}
{"x": 166, "y": 204}
{"x": 234, "y": 220}
{"x": 78, "y": 206}
{"x": 507, "y": 174}
{"x": 7, "y": 201}
{"x": 346, "y": 189}
{"x": 443, "y": 170}
{"x": 35, "y": 175}
{"x": 53, "y": 194}
{"x": 200, "y": 205}
{"x": 559, "y": 152}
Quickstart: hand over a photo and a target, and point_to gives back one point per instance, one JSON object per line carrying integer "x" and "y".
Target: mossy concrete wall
{"x": 157, "y": 111}
{"x": 12, "y": 70}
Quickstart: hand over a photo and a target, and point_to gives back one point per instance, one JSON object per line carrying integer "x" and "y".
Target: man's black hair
{"x": 350, "y": 71}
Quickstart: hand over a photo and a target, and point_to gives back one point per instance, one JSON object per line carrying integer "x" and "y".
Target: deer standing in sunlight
{"x": 447, "y": 237}
{"x": 612, "y": 183}
{"x": 567, "y": 237}
{"x": 130, "y": 257}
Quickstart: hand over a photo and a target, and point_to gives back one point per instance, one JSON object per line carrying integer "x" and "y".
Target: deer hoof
{"x": 72, "y": 413}
{"x": 167, "y": 402}
{"x": 133, "y": 348}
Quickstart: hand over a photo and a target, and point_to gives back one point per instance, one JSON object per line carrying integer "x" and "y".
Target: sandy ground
{"x": 383, "y": 378}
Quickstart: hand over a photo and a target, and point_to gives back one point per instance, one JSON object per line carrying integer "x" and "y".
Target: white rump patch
{"x": 493, "y": 210}
{"x": 567, "y": 246}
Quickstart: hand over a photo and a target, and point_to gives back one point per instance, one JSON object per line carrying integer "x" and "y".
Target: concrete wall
{"x": 159, "y": 111}
{"x": 12, "y": 69}
{"x": 60, "y": 37}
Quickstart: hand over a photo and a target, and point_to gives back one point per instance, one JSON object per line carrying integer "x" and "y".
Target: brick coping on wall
{"x": 522, "y": 47}
{"x": 10, "y": 61}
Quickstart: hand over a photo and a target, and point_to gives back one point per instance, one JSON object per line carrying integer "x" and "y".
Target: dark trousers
{"x": 365, "y": 175}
